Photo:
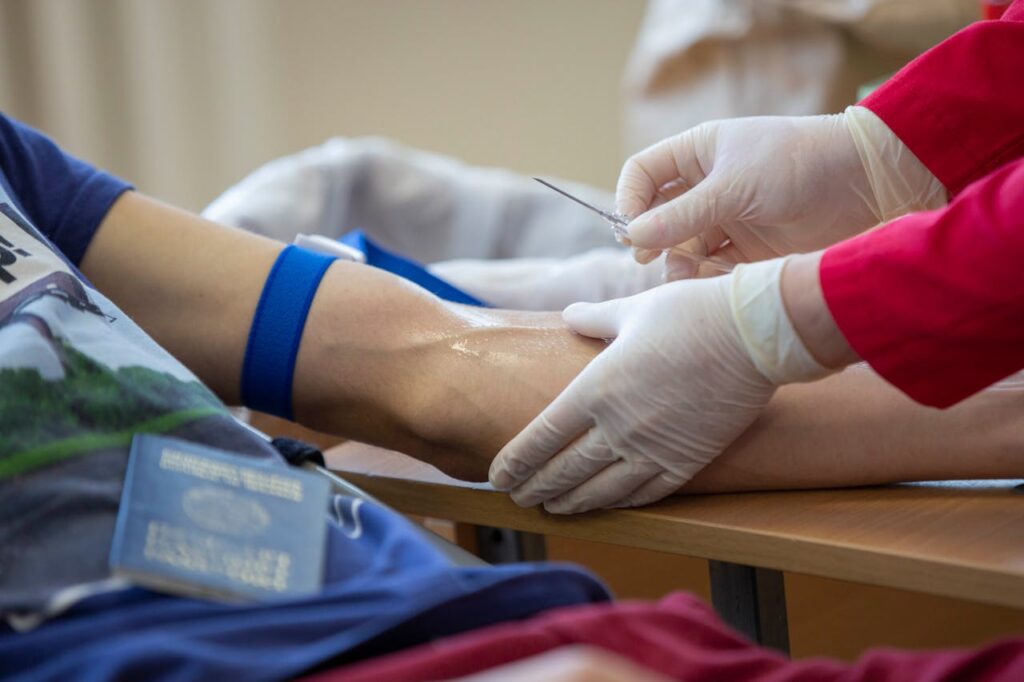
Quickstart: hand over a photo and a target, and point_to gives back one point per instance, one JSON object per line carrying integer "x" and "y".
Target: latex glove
{"x": 769, "y": 186}
{"x": 691, "y": 366}
{"x": 551, "y": 283}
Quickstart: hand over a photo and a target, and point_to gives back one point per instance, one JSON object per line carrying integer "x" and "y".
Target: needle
{"x": 619, "y": 223}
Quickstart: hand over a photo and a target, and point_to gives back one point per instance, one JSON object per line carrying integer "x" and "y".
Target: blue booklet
{"x": 203, "y": 522}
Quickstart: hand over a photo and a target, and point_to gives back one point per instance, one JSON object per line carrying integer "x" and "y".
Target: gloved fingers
{"x": 678, "y": 266}
{"x": 586, "y": 456}
{"x": 649, "y": 170}
{"x": 645, "y": 256}
{"x": 670, "y": 191}
{"x": 683, "y": 218}
{"x": 605, "y": 488}
{"x": 596, "y": 320}
{"x": 550, "y": 431}
{"x": 661, "y": 486}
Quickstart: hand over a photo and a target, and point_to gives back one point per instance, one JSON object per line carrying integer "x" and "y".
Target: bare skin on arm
{"x": 381, "y": 360}
{"x": 384, "y": 362}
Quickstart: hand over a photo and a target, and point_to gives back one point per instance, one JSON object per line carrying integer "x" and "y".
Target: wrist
{"x": 899, "y": 183}
{"x": 805, "y": 305}
{"x": 765, "y": 325}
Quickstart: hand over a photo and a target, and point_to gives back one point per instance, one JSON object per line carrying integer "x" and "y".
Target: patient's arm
{"x": 855, "y": 429}
{"x": 381, "y": 360}
{"x": 847, "y": 430}
{"x": 386, "y": 363}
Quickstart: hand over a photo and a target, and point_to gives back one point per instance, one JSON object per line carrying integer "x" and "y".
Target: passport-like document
{"x": 203, "y": 522}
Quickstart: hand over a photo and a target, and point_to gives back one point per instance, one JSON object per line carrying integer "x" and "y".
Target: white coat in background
{"x": 441, "y": 211}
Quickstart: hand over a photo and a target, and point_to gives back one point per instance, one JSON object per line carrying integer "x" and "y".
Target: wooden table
{"x": 954, "y": 538}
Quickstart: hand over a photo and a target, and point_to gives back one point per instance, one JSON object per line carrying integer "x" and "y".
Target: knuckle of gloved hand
{"x": 564, "y": 505}
{"x": 598, "y": 450}
{"x": 518, "y": 468}
{"x": 527, "y": 497}
{"x": 548, "y": 436}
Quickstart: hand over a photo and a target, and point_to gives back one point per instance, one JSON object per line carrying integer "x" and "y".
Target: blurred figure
{"x": 699, "y": 60}
{"x": 497, "y": 235}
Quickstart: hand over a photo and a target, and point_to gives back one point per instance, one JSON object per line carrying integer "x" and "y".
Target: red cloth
{"x": 960, "y": 106}
{"x": 935, "y": 301}
{"x": 680, "y": 637}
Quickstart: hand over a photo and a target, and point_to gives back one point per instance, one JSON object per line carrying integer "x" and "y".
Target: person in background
{"x": 702, "y": 60}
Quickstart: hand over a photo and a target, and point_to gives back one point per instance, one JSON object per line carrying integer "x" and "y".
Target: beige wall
{"x": 183, "y": 97}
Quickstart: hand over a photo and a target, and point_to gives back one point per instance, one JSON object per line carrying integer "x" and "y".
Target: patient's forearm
{"x": 855, "y": 429}
{"x": 850, "y": 429}
{"x": 385, "y": 362}
{"x": 447, "y": 384}
{"x": 380, "y": 360}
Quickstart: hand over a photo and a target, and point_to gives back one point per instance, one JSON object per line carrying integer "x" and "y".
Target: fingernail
{"x": 501, "y": 479}
{"x": 677, "y": 271}
{"x": 555, "y": 508}
{"x": 575, "y": 307}
{"x": 524, "y": 500}
{"x": 635, "y": 230}
{"x": 629, "y": 208}
{"x": 645, "y": 256}
{"x": 499, "y": 475}
{"x": 572, "y": 310}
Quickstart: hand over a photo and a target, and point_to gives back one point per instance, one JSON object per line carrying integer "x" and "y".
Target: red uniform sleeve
{"x": 960, "y": 106}
{"x": 935, "y": 301}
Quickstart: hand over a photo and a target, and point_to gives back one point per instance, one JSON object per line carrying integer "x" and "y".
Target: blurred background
{"x": 185, "y": 97}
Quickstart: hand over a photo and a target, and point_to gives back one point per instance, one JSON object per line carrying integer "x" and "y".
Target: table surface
{"x": 953, "y": 538}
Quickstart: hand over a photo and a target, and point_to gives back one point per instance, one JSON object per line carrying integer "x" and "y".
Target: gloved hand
{"x": 551, "y": 283}
{"x": 690, "y": 366}
{"x": 748, "y": 189}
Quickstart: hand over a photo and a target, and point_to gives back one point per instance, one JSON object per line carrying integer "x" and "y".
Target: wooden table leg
{"x": 503, "y": 546}
{"x": 752, "y": 600}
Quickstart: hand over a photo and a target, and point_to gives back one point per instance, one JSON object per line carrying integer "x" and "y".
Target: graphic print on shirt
{"x": 74, "y": 378}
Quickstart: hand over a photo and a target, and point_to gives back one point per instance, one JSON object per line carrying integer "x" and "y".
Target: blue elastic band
{"x": 277, "y": 327}
{"x": 407, "y": 268}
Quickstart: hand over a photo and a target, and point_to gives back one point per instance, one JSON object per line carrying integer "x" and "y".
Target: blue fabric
{"x": 64, "y": 198}
{"x": 277, "y": 327}
{"x": 386, "y": 589}
{"x": 408, "y": 269}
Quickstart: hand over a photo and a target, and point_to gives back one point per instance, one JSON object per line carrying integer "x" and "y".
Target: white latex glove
{"x": 691, "y": 366}
{"x": 551, "y": 283}
{"x": 769, "y": 186}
